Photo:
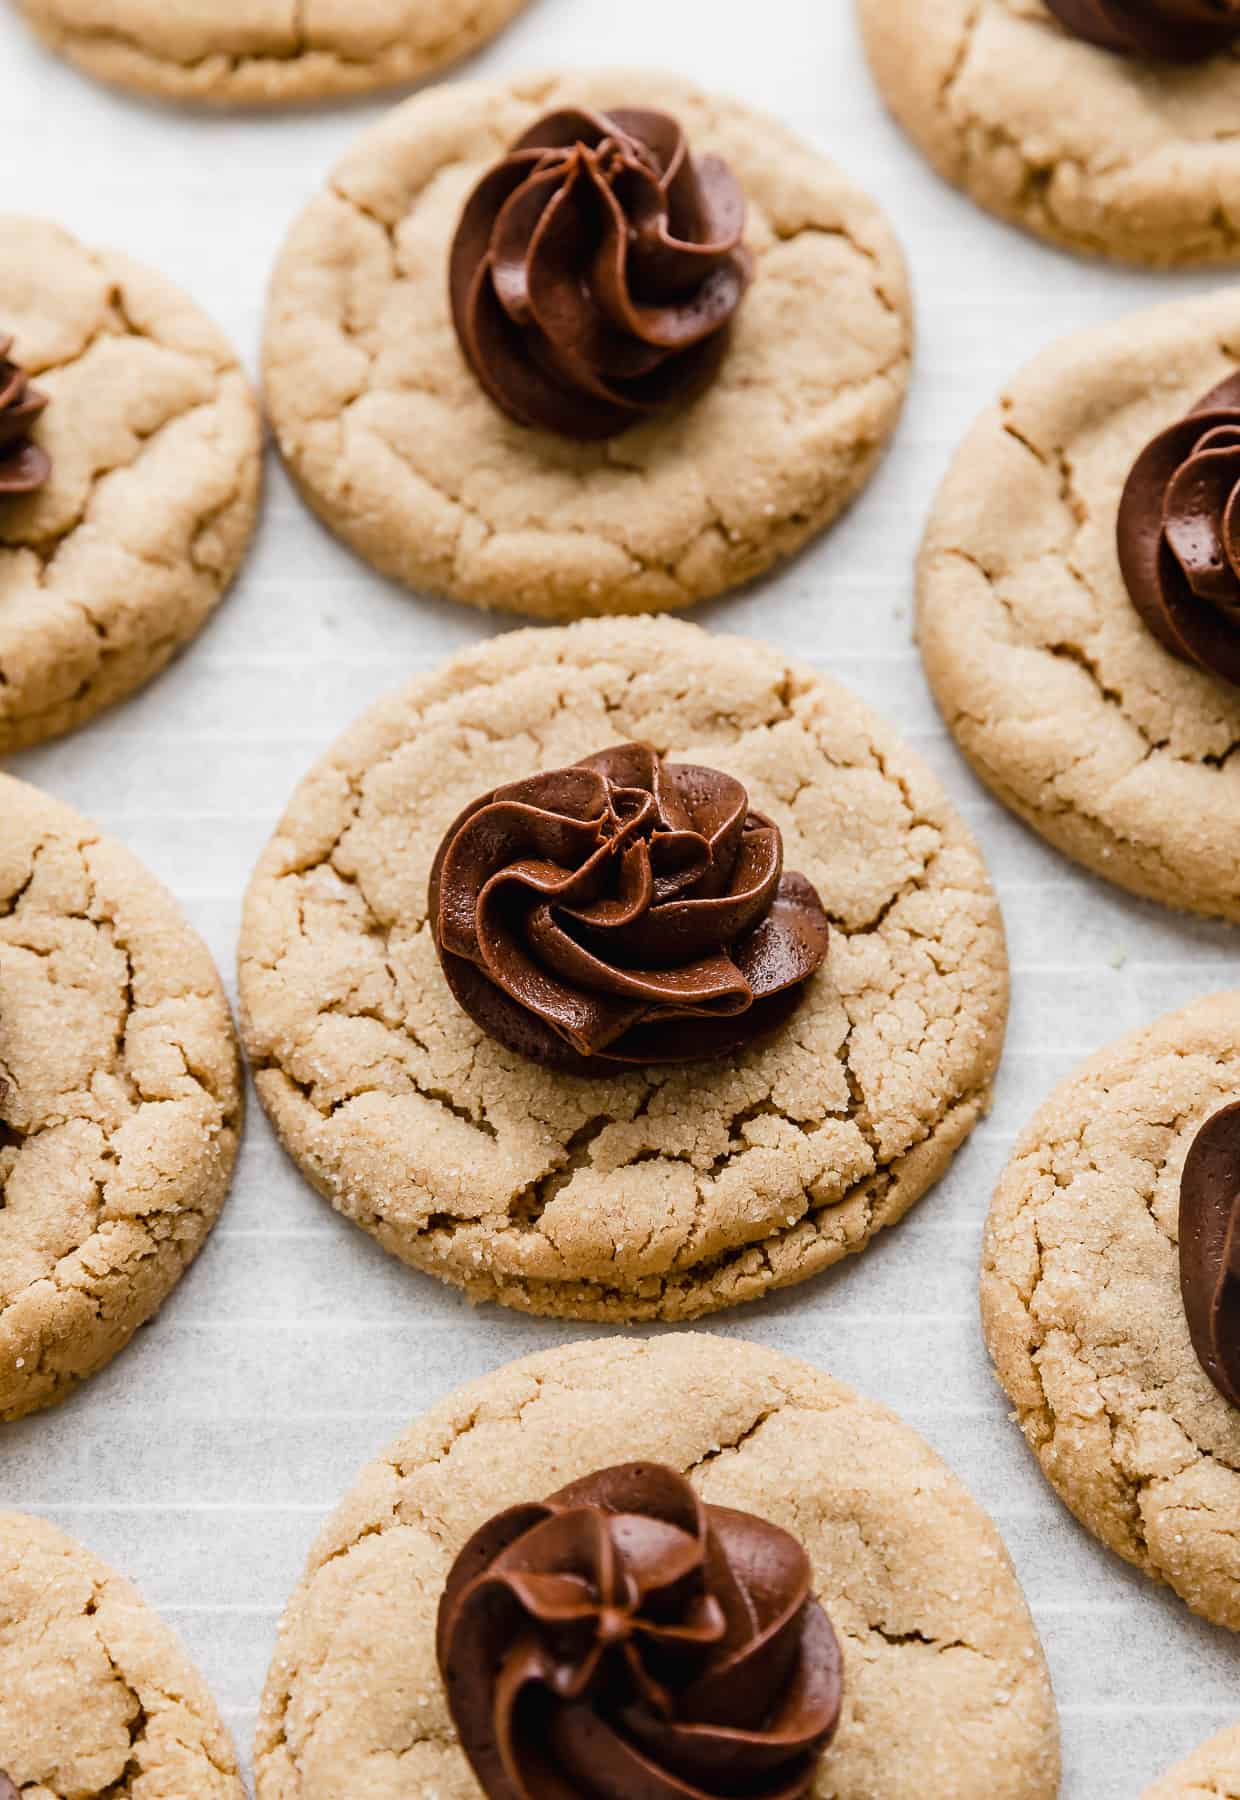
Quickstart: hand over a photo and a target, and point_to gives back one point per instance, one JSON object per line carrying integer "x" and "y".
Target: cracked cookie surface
{"x": 398, "y": 449}
{"x": 1064, "y": 702}
{"x": 1082, "y": 1310}
{"x": 98, "y": 1700}
{"x": 1099, "y": 152}
{"x": 265, "y": 52}
{"x": 945, "y": 1686}
{"x": 156, "y": 451}
{"x": 120, "y": 1098}
{"x": 660, "y": 1193}
{"x": 1212, "y": 1772}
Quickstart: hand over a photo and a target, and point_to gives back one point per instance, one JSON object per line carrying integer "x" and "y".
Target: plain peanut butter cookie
{"x": 97, "y": 1697}
{"x": 264, "y": 52}
{"x": 1065, "y": 701}
{"x": 1082, "y": 1306}
{"x": 945, "y": 1689}
{"x": 120, "y": 1099}
{"x": 397, "y": 446}
{"x": 1210, "y": 1773}
{"x": 149, "y": 450}
{"x": 1104, "y": 150}
{"x": 652, "y": 1192}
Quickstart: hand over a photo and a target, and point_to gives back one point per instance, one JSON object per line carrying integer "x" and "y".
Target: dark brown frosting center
{"x": 623, "y": 1639}
{"x": 1178, "y": 534}
{"x": 1210, "y": 1248}
{"x": 624, "y": 910}
{"x": 1165, "y": 30}
{"x": 595, "y": 271}
{"x": 24, "y": 467}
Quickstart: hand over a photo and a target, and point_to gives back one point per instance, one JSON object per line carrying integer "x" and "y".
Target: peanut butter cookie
{"x": 120, "y": 1099}
{"x": 489, "y": 1150}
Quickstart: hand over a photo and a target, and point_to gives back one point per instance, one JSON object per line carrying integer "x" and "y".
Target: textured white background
{"x": 203, "y": 1461}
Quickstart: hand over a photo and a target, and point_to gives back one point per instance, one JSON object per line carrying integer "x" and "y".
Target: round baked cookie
{"x": 397, "y": 447}
{"x": 1083, "y": 1313}
{"x": 1064, "y": 702}
{"x": 264, "y": 52}
{"x": 155, "y": 444}
{"x": 657, "y": 1193}
{"x": 1210, "y": 1773}
{"x": 97, "y": 1696}
{"x": 120, "y": 1098}
{"x": 1103, "y": 153}
{"x": 945, "y": 1686}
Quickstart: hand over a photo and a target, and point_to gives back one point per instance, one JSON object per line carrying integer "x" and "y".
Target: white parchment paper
{"x": 203, "y": 1461}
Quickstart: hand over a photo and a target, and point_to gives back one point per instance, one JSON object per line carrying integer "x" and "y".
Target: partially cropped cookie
{"x": 120, "y": 1099}
{"x": 1106, "y": 126}
{"x": 130, "y": 456}
{"x": 1079, "y": 600}
{"x": 580, "y": 344}
{"x": 1111, "y": 1299}
{"x": 622, "y": 972}
{"x": 770, "y": 1575}
{"x": 1210, "y": 1773}
{"x": 97, "y": 1697}
{"x": 265, "y": 52}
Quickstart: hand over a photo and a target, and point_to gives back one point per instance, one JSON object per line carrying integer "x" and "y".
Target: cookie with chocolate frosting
{"x": 1109, "y": 1298}
{"x": 1111, "y": 127}
{"x": 130, "y": 467}
{"x": 1079, "y": 600}
{"x": 778, "y": 1591}
{"x": 622, "y": 972}
{"x": 97, "y": 1696}
{"x": 582, "y": 344}
{"x": 235, "y": 53}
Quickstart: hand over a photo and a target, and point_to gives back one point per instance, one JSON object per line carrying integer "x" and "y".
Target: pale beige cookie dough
{"x": 398, "y": 449}
{"x": 945, "y": 1687}
{"x": 120, "y": 1099}
{"x": 1064, "y": 702}
{"x": 97, "y": 1697}
{"x": 1082, "y": 1310}
{"x": 1099, "y": 152}
{"x": 264, "y": 52}
{"x": 661, "y": 1193}
{"x": 1210, "y": 1773}
{"x": 156, "y": 449}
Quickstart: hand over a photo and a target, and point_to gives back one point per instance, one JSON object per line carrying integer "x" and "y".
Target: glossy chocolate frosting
{"x": 1166, "y": 30}
{"x": 624, "y": 910}
{"x": 1210, "y": 1248}
{"x": 595, "y": 271}
{"x": 623, "y": 1641}
{"x": 23, "y": 465}
{"x": 1179, "y": 534}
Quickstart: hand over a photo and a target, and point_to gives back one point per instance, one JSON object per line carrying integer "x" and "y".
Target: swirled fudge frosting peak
{"x": 623, "y": 910}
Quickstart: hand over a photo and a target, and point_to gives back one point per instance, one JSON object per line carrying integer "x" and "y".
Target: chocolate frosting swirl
{"x": 24, "y": 467}
{"x": 623, "y": 1641}
{"x": 1179, "y": 534}
{"x": 1210, "y": 1249}
{"x": 1167, "y": 30}
{"x": 624, "y": 910}
{"x": 595, "y": 271}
